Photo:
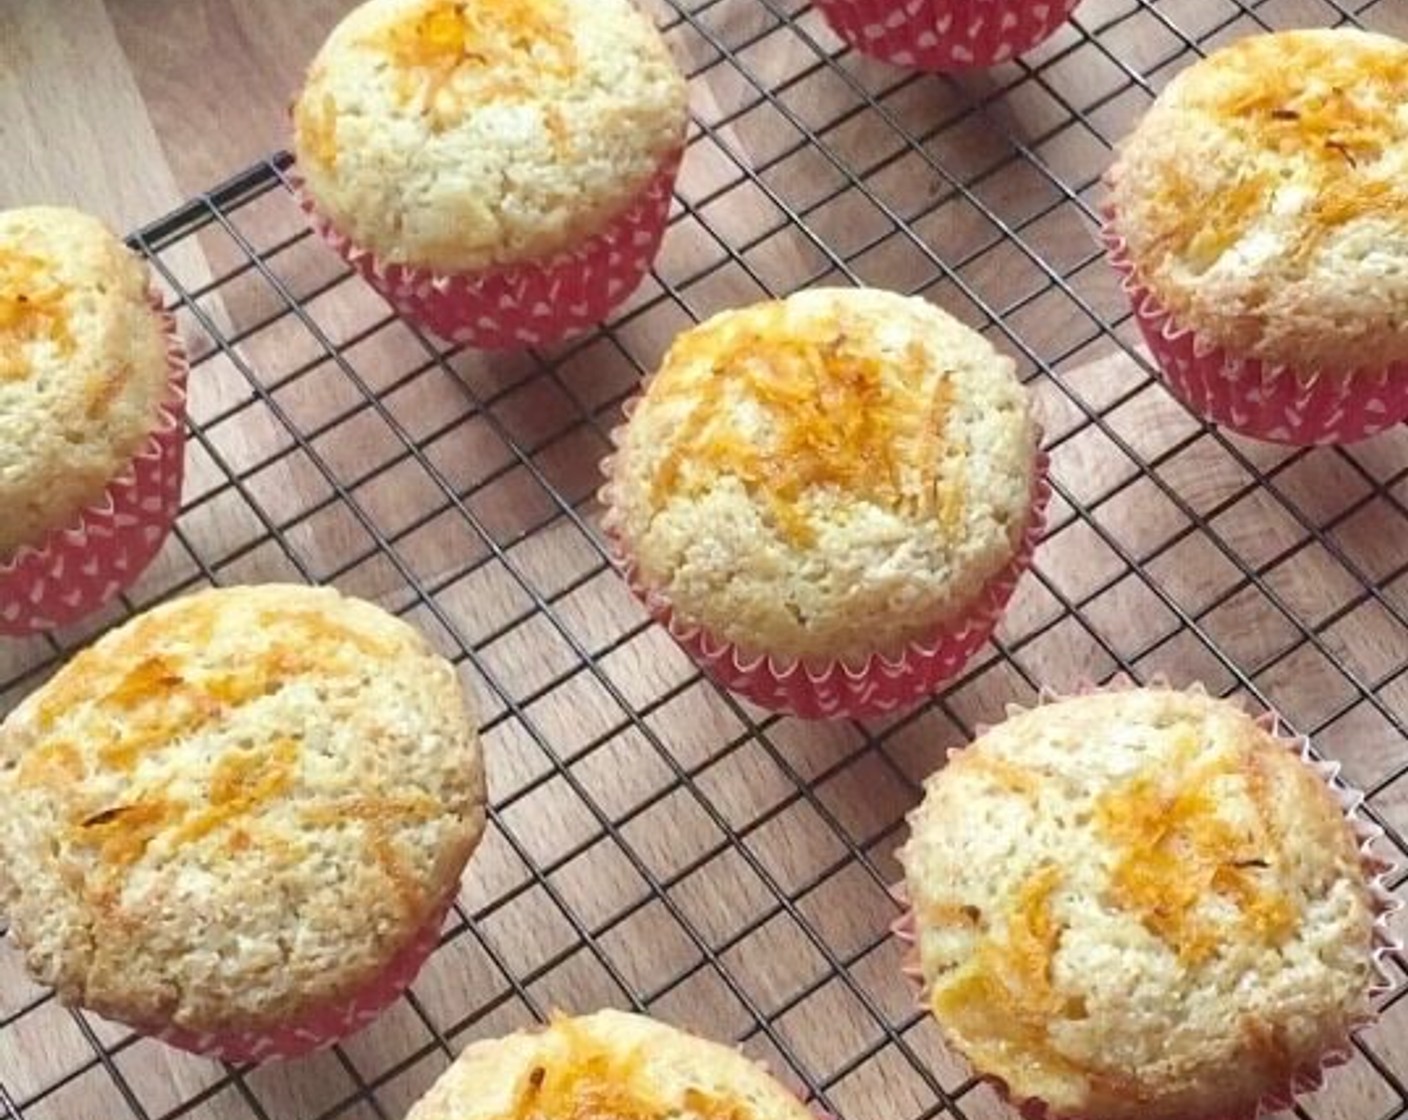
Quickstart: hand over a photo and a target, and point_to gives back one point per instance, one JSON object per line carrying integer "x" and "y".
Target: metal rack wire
{"x": 653, "y": 842}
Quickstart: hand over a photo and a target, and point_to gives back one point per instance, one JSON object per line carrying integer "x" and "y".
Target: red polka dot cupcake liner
{"x": 78, "y": 569}
{"x": 879, "y": 685}
{"x": 942, "y": 35}
{"x": 321, "y": 1027}
{"x": 530, "y": 304}
{"x": 1268, "y": 402}
{"x": 1378, "y": 870}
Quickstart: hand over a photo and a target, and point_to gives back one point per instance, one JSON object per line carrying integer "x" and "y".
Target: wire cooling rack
{"x": 654, "y": 843}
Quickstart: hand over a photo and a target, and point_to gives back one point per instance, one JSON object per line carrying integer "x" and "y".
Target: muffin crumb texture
{"x": 1139, "y": 904}
{"x": 235, "y": 808}
{"x": 83, "y": 368}
{"x": 1263, "y": 198}
{"x": 452, "y": 135}
{"x": 610, "y": 1064}
{"x": 826, "y": 476}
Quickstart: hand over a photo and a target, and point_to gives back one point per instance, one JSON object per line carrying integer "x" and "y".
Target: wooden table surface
{"x": 773, "y": 839}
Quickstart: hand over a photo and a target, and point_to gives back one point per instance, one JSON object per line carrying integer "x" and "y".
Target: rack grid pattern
{"x": 655, "y": 843}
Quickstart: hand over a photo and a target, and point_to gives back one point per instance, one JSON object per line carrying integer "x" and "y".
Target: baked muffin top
{"x": 235, "y": 807}
{"x": 608, "y": 1064}
{"x": 453, "y": 135}
{"x": 1264, "y": 198}
{"x": 83, "y": 369}
{"x": 1139, "y": 904}
{"x": 826, "y": 476}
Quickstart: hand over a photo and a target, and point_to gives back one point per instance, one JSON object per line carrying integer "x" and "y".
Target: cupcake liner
{"x": 1274, "y": 403}
{"x": 945, "y": 34}
{"x": 809, "y": 1104}
{"x": 790, "y": 1083}
{"x": 1378, "y": 870}
{"x": 321, "y": 1027}
{"x": 834, "y": 690}
{"x": 529, "y": 304}
{"x": 78, "y": 569}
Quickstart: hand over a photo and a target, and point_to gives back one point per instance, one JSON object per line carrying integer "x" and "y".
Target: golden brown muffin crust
{"x": 1139, "y": 904}
{"x": 610, "y": 1065}
{"x": 827, "y": 476}
{"x": 455, "y": 136}
{"x": 1262, "y": 198}
{"x": 240, "y": 805}
{"x": 83, "y": 368}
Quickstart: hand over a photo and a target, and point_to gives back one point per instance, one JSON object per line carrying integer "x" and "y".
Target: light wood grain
{"x": 709, "y": 852}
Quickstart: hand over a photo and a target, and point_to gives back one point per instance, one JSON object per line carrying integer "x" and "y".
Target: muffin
{"x": 501, "y": 170}
{"x": 828, "y": 498}
{"x": 610, "y": 1063}
{"x": 236, "y": 822}
{"x": 92, "y": 398}
{"x": 1142, "y": 904}
{"x": 1259, "y": 216}
{"x": 945, "y": 35}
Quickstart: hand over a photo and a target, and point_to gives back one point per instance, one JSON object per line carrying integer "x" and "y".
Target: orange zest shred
{"x": 148, "y": 678}
{"x": 242, "y": 781}
{"x": 315, "y": 118}
{"x": 379, "y": 816}
{"x": 52, "y": 766}
{"x": 127, "y": 702}
{"x": 1002, "y": 1001}
{"x": 155, "y": 703}
{"x": 838, "y": 415}
{"x": 123, "y": 833}
{"x": 1021, "y": 964}
{"x": 952, "y": 914}
{"x": 315, "y": 631}
{"x": 1178, "y": 852}
{"x": 162, "y": 707}
{"x": 510, "y": 46}
{"x": 577, "y": 1077}
{"x": 1033, "y": 933}
{"x": 31, "y": 311}
{"x": 1322, "y": 115}
{"x": 1000, "y": 773}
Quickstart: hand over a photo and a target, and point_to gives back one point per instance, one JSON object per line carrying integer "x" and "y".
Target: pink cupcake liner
{"x": 945, "y": 34}
{"x": 791, "y": 1084}
{"x": 78, "y": 569}
{"x": 1379, "y": 870}
{"x": 529, "y": 304}
{"x": 1274, "y": 403}
{"x": 836, "y": 690}
{"x": 321, "y": 1027}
